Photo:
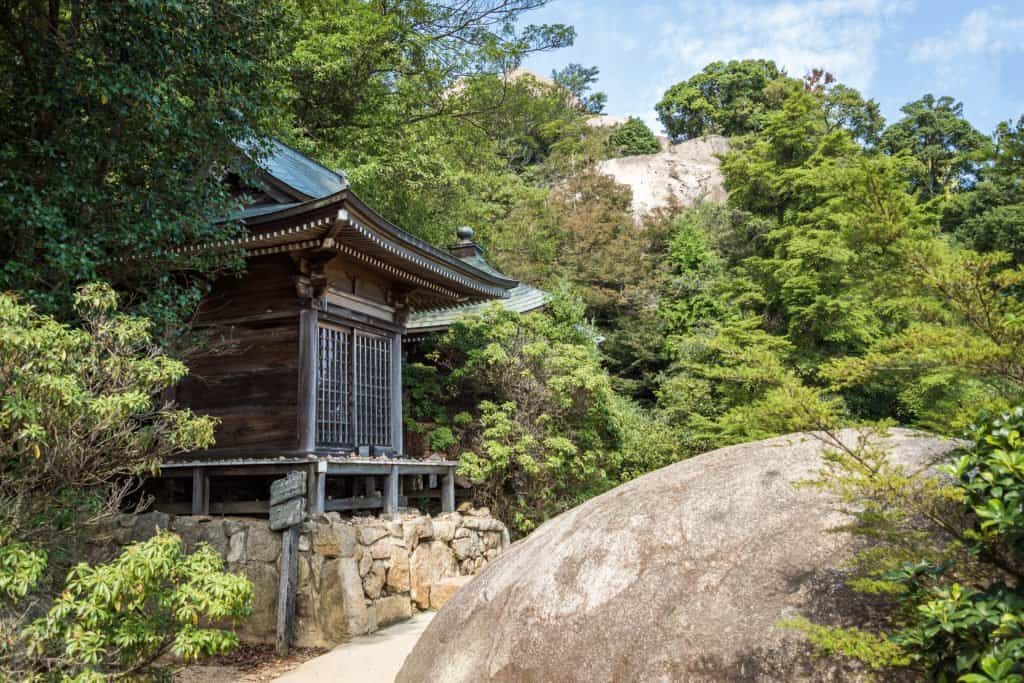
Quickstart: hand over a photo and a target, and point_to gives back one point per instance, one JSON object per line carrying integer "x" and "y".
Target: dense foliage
{"x": 118, "y": 117}
{"x": 116, "y": 620}
{"x": 725, "y": 98}
{"x": 80, "y": 421}
{"x": 524, "y": 402}
{"x": 420, "y": 103}
{"x": 948, "y": 147}
{"x": 831, "y": 278}
{"x": 633, "y": 137}
{"x": 578, "y": 81}
{"x": 946, "y": 553}
{"x": 81, "y": 414}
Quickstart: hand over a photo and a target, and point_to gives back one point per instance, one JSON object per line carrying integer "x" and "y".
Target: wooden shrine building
{"x": 312, "y": 381}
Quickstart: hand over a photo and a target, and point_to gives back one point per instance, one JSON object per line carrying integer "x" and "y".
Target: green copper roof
{"x": 522, "y": 299}
{"x": 261, "y": 209}
{"x": 302, "y": 173}
{"x": 299, "y": 176}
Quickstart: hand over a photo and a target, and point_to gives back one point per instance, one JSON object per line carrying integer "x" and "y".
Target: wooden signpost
{"x": 287, "y": 512}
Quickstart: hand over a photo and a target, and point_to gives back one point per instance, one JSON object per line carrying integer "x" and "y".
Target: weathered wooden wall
{"x": 253, "y": 387}
{"x": 251, "y": 383}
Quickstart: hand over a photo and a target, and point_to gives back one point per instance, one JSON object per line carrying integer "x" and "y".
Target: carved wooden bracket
{"x": 312, "y": 283}
{"x": 398, "y": 297}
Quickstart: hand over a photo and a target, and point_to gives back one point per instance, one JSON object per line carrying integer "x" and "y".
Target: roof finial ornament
{"x": 465, "y": 247}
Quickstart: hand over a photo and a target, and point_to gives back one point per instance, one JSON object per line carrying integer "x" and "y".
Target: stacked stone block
{"x": 355, "y": 575}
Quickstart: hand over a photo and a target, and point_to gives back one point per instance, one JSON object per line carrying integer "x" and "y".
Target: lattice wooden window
{"x": 354, "y": 388}
{"x": 333, "y": 386}
{"x": 373, "y": 390}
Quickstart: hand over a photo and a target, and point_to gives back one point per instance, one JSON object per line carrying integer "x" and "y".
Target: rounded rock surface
{"x": 680, "y": 575}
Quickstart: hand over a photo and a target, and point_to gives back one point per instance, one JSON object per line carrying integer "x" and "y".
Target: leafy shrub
{"x": 117, "y": 619}
{"x": 949, "y": 552}
{"x": 441, "y": 439}
{"x": 80, "y": 419}
{"x": 631, "y": 138}
{"x": 549, "y": 431}
{"x": 21, "y": 567}
{"x": 80, "y": 413}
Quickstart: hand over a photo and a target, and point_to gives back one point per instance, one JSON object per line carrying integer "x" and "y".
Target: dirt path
{"x": 375, "y": 658}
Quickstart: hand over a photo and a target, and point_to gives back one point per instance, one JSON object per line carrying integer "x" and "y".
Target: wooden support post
{"x": 448, "y": 492}
{"x": 391, "y": 492}
{"x": 370, "y": 485}
{"x": 286, "y": 593}
{"x": 316, "y": 481}
{"x": 321, "y": 486}
{"x": 307, "y": 380}
{"x": 396, "y": 394}
{"x": 200, "y": 492}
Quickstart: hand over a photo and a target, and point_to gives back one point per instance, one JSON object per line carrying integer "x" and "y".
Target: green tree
{"x": 991, "y": 216}
{"x": 81, "y": 415}
{"x": 846, "y": 109}
{"x": 935, "y": 132}
{"x": 119, "y": 120}
{"x": 945, "y": 555}
{"x": 383, "y": 65}
{"x": 414, "y": 100}
{"x": 725, "y": 98}
{"x": 852, "y": 292}
{"x": 632, "y": 137}
{"x": 579, "y": 81}
{"x": 538, "y": 425}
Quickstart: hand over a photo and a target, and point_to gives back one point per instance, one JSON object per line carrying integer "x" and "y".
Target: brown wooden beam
{"x": 200, "y": 492}
{"x": 425, "y": 493}
{"x": 307, "y": 380}
{"x": 317, "y": 483}
{"x": 356, "y": 503}
{"x": 289, "y": 571}
{"x": 235, "y": 507}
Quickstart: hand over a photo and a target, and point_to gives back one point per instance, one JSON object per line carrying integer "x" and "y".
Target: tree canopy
{"x": 935, "y": 133}
{"x": 633, "y": 137}
{"x": 725, "y": 98}
{"x": 120, "y": 118}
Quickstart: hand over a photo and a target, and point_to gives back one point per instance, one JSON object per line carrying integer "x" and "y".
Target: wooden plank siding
{"x": 261, "y": 382}
{"x": 267, "y": 286}
{"x": 253, "y": 385}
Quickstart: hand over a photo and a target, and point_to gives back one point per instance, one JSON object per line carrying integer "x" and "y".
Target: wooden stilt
{"x": 316, "y": 482}
{"x": 200, "y": 492}
{"x": 391, "y": 495}
{"x": 448, "y": 492}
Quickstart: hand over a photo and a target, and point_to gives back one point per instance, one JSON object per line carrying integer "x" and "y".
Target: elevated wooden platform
{"x": 401, "y": 481}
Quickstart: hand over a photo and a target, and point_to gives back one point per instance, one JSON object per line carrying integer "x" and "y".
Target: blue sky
{"x": 893, "y": 51}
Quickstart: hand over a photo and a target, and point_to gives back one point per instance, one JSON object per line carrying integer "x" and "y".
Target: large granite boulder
{"x": 681, "y": 575}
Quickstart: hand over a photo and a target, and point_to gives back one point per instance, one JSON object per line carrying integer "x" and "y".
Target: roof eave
{"x": 396, "y": 234}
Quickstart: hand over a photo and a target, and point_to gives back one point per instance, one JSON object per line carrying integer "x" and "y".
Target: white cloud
{"x": 987, "y": 32}
{"x": 842, "y": 36}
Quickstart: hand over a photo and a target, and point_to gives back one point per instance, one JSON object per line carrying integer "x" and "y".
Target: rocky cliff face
{"x": 679, "y": 175}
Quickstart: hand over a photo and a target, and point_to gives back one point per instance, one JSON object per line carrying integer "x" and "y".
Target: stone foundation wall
{"x": 354, "y": 575}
